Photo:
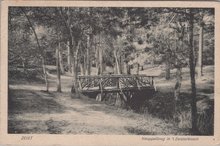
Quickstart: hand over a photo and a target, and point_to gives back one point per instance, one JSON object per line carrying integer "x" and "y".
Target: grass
{"x": 31, "y": 110}
{"x": 58, "y": 113}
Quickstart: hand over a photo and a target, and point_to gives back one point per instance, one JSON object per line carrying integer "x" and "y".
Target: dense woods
{"x": 102, "y": 40}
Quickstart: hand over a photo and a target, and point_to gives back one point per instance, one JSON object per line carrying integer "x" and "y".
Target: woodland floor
{"x": 32, "y": 110}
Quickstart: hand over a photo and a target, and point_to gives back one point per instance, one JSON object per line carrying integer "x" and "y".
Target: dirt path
{"x": 31, "y": 110}
{"x": 34, "y": 111}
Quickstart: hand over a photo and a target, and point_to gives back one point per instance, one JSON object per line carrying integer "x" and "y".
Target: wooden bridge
{"x": 122, "y": 84}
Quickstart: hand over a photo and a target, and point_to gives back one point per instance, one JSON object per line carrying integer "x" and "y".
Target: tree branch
{"x": 35, "y": 34}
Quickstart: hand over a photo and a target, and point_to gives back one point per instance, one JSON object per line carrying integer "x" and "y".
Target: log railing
{"x": 114, "y": 82}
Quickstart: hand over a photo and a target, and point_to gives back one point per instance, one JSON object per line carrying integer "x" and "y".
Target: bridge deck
{"x": 115, "y": 89}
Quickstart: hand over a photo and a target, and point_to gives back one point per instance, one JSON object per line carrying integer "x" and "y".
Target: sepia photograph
{"x": 111, "y": 70}
{"x": 98, "y": 73}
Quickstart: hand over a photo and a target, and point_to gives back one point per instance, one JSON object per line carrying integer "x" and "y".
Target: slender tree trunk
{"x": 73, "y": 66}
{"x": 167, "y": 75}
{"x": 178, "y": 72}
{"x": 100, "y": 61}
{"x": 128, "y": 69}
{"x": 74, "y": 74}
{"x": 199, "y": 62}
{"x": 100, "y": 57}
{"x": 84, "y": 65}
{"x": 58, "y": 68}
{"x": 88, "y": 64}
{"x": 24, "y": 62}
{"x": 122, "y": 64}
{"x": 178, "y": 83}
{"x": 116, "y": 62}
{"x": 192, "y": 75}
{"x": 125, "y": 68}
{"x": 96, "y": 56}
{"x": 69, "y": 57}
{"x": 81, "y": 69}
{"x": 75, "y": 71}
{"x": 72, "y": 56}
{"x": 61, "y": 62}
{"x": 138, "y": 68}
{"x": 45, "y": 74}
{"x": 118, "y": 101}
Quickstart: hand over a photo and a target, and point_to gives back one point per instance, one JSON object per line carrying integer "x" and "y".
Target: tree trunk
{"x": 72, "y": 56}
{"x": 121, "y": 64}
{"x": 199, "y": 62}
{"x": 24, "y": 62}
{"x": 74, "y": 74}
{"x": 116, "y": 62}
{"x": 167, "y": 75}
{"x": 75, "y": 70}
{"x": 100, "y": 57}
{"x": 138, "y": 68}
{"x": 81, "y": 69}
{"x": 192, "y": 75}
{"x": 178, "y": 83}
{"x": 58, "y": 68}
{"x": 84, "y": 65}
{"x": 96, "y": 56}
{"x": 69, "y": 57}
{"x": 125, "y": 68}
{"x": 61, "y": 62}
{"x": 88, "y": 64}
{"x": 45, "y": 74}
{"x": 128, "y": 69}
{"x": 118, "y": 101}
{"x": 100, "y": 61}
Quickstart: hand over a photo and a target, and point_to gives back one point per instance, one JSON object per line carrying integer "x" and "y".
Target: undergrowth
{"x": 163, "y": 106}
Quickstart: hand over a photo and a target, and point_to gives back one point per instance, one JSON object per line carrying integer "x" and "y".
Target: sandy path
{"x": 33, "y": 111}
{"x": 40, "y": 112}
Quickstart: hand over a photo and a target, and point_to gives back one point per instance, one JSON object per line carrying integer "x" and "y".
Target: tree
{"x": 199, "y": 64}
{"x": 188, "y": 18}
{"x": 192, "y": 73}
{"x": 192, "y": 13}
{"x": 39, "y": 47}
{"x": 58, "y": 66}
{"x": 204, "y": 20}
{"x": 73, "y": 39}
{"x": 185, "y": 25}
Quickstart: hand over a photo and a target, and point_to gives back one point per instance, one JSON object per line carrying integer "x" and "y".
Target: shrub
{"x": 161, "y": 105}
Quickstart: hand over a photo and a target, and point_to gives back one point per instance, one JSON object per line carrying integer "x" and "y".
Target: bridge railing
{"x": 104, "y": 82}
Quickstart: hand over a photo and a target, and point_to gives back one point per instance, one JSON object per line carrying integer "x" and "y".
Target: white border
{"x": 46, "y": 139}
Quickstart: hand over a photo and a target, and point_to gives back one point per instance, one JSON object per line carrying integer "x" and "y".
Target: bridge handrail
{"x": 139, "y": 81}
{"x": 114, "y": 75}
